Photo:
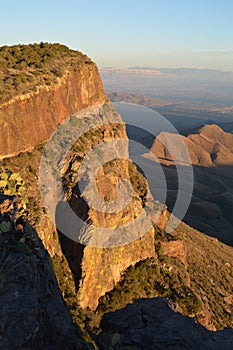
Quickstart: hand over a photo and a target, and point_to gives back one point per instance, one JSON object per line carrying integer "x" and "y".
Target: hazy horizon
{"x": 128, "y": 33}
{"x": 145, "y": 67}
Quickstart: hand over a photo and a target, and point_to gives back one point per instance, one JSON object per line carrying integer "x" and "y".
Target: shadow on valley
{"x": 211, "y": 207}
{"x": 73, "y": 252}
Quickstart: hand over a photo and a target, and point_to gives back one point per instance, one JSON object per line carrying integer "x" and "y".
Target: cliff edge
{"x": 41, "y": 85}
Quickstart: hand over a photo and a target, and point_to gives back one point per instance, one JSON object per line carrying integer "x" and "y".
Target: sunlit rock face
{"x": 112, "y": 239}
{"x": 27, "y": 120}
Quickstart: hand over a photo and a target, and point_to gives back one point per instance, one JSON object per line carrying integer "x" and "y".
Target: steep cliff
{"x": 98, "y": 266}
{"x": 30, "y": 115}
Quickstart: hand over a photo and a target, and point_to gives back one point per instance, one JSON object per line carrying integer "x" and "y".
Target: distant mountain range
{"x": 183, "y": 69}
{"x": 176, "y": 71}
{"x": 199, "y": 85}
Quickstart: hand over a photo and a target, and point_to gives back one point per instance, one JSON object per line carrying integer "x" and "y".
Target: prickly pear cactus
{"x": 5, "y": 226}
{"x": 11, "y": 184}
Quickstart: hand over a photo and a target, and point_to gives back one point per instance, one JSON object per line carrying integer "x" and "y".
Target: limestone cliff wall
{"x": 102, "y": 268}
{"x": 28, "y": 120}
{"x": 98, "y": 269}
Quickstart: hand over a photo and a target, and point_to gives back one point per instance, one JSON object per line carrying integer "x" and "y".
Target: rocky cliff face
{"x": 97, "y": 267}
{"x": 102, "y": 268}
{"x": 27, "y": 120}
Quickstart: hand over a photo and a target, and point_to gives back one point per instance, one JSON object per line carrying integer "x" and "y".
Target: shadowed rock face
{"x": 28, "y": 120}
{"x": 150, "y": 324}
{"x": 33, "y": 314}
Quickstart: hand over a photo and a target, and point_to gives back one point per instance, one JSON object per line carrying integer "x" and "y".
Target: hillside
{"x": 32, "y": 310}
{"x": 211, "y": 153}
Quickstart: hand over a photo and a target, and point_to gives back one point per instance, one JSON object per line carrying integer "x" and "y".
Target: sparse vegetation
{"x": 160, "y": 276}
{"x": 29, "y": 175}
{"x": 25, "y": 67}
{"x": 11, "y": 183}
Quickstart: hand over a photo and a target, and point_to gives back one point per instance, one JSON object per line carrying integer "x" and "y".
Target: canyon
{"x": 191, "y": 270}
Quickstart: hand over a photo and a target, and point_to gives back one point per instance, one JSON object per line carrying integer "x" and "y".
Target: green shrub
{"x": 24, "y": 67}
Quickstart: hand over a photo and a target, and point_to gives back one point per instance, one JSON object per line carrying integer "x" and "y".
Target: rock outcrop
{"x": 97, "y": 267}
{"x": 211, "y": 155}
{"x": 209, "y": 147}
{"x": 29, "y": 119}
{"x": 33, "y": 314}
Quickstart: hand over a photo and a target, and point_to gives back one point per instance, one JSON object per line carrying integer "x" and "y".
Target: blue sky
{"x": 159, "y": 33}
